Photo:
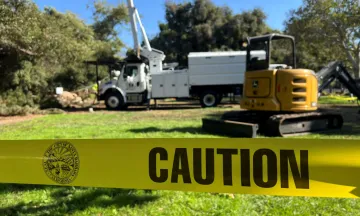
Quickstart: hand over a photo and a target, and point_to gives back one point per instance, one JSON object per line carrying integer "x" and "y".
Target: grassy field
{"x": 337, "y": 99}
{"x": 51, "y": 200}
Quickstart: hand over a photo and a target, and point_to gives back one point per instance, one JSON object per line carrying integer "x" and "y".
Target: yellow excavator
{"x": 281, "y": 100}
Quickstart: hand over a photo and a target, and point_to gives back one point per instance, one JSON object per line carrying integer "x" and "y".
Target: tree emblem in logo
{"x": 61, "y": 162}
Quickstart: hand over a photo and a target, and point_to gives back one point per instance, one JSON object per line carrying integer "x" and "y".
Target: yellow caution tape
{"x": 286, "y": 167}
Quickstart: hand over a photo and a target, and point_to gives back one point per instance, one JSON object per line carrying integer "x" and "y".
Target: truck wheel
{"x": 114, "y": 101}
{"x": 209, "y": 99}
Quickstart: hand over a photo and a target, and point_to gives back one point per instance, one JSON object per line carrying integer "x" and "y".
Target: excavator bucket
{"x": 230, "y": 128}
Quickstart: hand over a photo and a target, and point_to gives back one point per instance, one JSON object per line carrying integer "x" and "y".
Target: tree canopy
{"x": 326, "y": 30}
{"x": 43, "y": 49}
{"x": 202, "y": 26}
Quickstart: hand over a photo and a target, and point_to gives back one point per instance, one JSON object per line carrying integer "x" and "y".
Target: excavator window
{"x": 281, "y": 54}
{"x": 270, "y": 51}
{"x": 258, "y": 55}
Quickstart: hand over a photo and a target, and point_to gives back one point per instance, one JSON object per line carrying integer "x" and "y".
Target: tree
{"x": 40, "y": 50}
{"x": 202, "y": 26}
{"x": 326, "y": 30}
{"x": 108, "y": 21}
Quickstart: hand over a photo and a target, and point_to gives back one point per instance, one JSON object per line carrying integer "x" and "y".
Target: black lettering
{"x": 180, "y": 159}
{"x": 227, "y": 164}
{"x": 210, "y": 169}
{"x": 152, "y": 165}
{"x": 258, "y": 168}
{"x": 301, "y": 179}
{"x": 245, "y": 167}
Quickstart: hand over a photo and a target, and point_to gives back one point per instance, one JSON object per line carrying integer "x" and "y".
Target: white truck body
{"x": 170, "y": 84}
{"x": 217, "y": 68}
{"x": 204, "y": 69}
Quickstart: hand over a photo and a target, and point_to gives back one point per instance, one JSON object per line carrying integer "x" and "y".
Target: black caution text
{"x": 277, "y": 166}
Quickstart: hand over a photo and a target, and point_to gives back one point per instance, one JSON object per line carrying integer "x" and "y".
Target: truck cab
{"x": 128, "y": 86}
{"x": 134, "y": 76}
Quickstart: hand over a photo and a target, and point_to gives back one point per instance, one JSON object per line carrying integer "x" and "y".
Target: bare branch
{"x": 14, "y": 46}
{"x": 28, "y": 52}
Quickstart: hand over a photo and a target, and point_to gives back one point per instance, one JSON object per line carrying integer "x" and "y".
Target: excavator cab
{"x": 265, "y": 44}
{"x": 278, "y": 98}
{"x": 277, "y": 86}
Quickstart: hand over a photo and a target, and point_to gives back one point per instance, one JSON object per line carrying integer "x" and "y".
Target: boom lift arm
{"x": 154, "y": 56}
{"x": 336, "y": 70}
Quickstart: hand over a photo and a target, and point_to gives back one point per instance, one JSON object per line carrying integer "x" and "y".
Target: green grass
{"x": 52, "y": 200}
{"x": 337, "y": 99}
{"x": 152, "y": 124}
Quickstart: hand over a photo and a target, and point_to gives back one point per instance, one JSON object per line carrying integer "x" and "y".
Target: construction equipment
{"x": 209, "y": 75}
{"x": 282, "y": 101}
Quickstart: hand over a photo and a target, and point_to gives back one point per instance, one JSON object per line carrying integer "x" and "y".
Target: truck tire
{"x": 114, "y": 101}
{"x": 209, "y": 99}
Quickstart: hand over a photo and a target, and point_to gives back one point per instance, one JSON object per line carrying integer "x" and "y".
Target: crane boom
{"x": 131, "y": 10}
{"x": 147, "y": 44}
{"x": 155, "y": 56}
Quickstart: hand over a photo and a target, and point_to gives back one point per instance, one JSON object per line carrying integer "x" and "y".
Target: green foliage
{"x": 17, "y": 110}
{"x": 107, "y": 18}
{"x": 201, "y": 26}
{"x": 325, "y": 31}
{"x": 40, "y": 50}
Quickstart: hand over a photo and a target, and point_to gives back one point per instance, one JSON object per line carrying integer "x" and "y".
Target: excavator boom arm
{"x": 336, "y": 70}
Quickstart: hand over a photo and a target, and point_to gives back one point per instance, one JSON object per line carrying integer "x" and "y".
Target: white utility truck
{"x": 209, "y": 75}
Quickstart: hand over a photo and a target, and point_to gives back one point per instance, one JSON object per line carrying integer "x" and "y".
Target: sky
{"x": 153, "y": 11}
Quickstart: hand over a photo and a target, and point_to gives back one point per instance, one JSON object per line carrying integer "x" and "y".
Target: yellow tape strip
{"x": 286, "y": 167}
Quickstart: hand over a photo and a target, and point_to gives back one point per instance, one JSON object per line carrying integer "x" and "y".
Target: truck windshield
{"x": 130, "y": 71}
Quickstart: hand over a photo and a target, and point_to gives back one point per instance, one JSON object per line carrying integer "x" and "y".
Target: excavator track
{"x": 251, "y": 123}
{"x": 297, "y": 124}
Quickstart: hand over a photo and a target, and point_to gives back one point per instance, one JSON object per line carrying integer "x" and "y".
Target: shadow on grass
{"x": 164, "y": 106}
{"x": 69, "y": 200}
{"x": 214, "y": 115}
{"x": 191, "y": 130}
{"x": 15, "y": 188}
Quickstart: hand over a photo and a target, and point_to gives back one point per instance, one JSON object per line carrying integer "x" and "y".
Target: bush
{"x": 49, "y": 50}
{"x": 17, "y": 110}
{"x": 50, "y": 102}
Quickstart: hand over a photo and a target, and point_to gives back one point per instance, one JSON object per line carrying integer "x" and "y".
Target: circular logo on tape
{"x": 61, "y": 162}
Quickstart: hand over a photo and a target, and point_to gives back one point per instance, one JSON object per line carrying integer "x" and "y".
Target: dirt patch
{"x": 15, "y": 119}
{"x": 163, "y": 107}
